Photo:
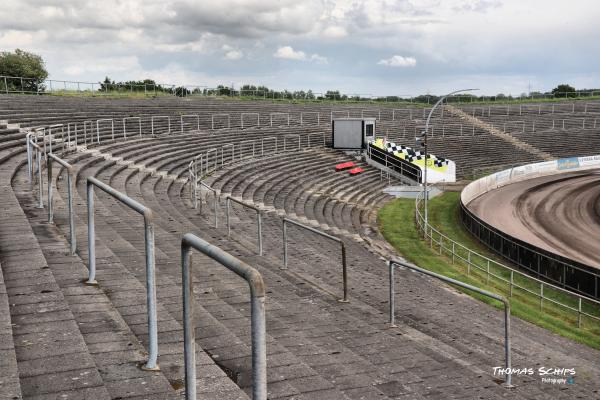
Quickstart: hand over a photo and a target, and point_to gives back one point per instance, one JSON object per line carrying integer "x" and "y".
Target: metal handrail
{"x": 151, "y": 364}
{"x": 207, "y": 152}
{"x": 325, "y": 235}
{"x": 125, "y": 129}
{"x": 262, "y": 144}
{"x": 310, "y": 112}
{"x": 190, "y": 115}
{"x": 91, "y": 123}
{"x": 215, "y": 197}
{"x": 242, "y": 118}
{"x": 428, "y": 232}
{"x": 29, "y": 158}
{"x": 257, "y": 305}
{"x": 153, "y": 117}
{"x": 287, "y": 114}
{"x": 407, "y": 169}
{"x": 315, "y": 134}
{"x": 74, "y": 133}
{"x": 362, "y": 113}
{"x": 212, "y": 117}
{"x": 51, "y": 135}
{"x": 245, "y": 142}
{"x": 101, "y": 88}
{"x": 291, "y": 136}
{"x": 38, "y": 156}
{"x": 112, "y": 127}
{"x": 339, "y": 111}
{"x": 507, "y": 358}
{"x": 228, "y": 200}
{"x": 70, "y": 178}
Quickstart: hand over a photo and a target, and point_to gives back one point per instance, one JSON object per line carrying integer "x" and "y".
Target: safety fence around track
{"x": 509, "y": 279}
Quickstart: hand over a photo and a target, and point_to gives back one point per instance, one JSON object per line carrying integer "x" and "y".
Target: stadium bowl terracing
{"x": 61, "y": 337}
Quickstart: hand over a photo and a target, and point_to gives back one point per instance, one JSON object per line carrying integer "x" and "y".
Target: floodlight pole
{"x": 425, "y": 193}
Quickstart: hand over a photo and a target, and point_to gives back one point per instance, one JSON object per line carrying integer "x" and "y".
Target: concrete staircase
{"x": 496, "y": 132}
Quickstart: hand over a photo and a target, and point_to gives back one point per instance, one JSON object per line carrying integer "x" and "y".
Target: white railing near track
{"x": 485, "y": 265}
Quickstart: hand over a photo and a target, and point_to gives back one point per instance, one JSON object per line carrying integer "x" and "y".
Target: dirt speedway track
{"x": 559, "y": 213}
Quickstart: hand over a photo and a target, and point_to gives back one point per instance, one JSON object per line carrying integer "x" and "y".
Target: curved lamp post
{"x": 426, "y": 194}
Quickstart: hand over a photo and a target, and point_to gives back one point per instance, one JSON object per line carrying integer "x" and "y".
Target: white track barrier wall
{"x": 524, "y": 172}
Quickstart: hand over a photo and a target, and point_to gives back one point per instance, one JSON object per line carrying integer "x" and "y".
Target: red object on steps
{"x": 355, "y": 171}
{"x": 345, "y": 165}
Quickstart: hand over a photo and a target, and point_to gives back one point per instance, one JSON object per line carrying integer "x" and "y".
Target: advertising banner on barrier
{"x": 567, "y": 163}
{"x": 517, "y": 174}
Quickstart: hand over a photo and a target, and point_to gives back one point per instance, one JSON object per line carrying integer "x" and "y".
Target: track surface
{"x": 559, "y": 213}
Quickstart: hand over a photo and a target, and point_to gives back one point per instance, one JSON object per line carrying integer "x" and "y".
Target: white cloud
{"x": 105, "y": 66}
{"x": 13, "y": 39}
{"x": 288, "y": 53}
{"x": 398, "y": 61}
{"x": 319, "y": 59}
{"x": 233, "y": 55}
{"x": 335, "y": 32}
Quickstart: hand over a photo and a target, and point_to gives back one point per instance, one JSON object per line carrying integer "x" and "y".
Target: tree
{"x": 23, "y": 64}
{"x": 564, "y": 90}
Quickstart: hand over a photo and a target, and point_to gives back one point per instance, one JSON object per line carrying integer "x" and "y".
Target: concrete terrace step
{"x": 124, "y": 284}
{"x": 231, "y": 314}
{"x": 9, "y": 373}
{"x": 446, "y": 344}
{"x": 50, "y": 350}
{"x": 114, "y": 348}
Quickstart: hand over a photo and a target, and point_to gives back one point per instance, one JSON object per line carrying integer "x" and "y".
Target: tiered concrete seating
{"x": 317, "y": 347}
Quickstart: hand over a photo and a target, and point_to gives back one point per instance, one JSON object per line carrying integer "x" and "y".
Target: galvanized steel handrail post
{"x": 160, "y": 116}
{"x": 279, "y": 113}
{"x": 285, "y": 137}
{"x": 191, "y": 115}
{"x": 318, "y": 232}
{"x": 91, "y": 123}
{"x": 228, "y": 200}
{"x": 339, "y": 111}
{"x": 310, "y": 112}
{"x": 212, "y": 117}
{"x": 507, "y": 355}
{"x": 125, "y": 129}
{"x": 243, "y": 142}
{"x": 223, "y": 153}
{"x": 50, "y": 135}
{"x": 151, "y": 364}
{"x": 242, "y": 118}
{"x": 74, "y": 133}
{"x": 315, "y": 134}
{"x": 262, "y": 144}
{"x": 29, "y": 159}
{"x": 192, "y": 181}
{"x": 112, "y": 127}
{"x": 207, "y": 152}
{"x": 200, "y": 157}
{"x": 38, "y": 156}
{"x": 257, "y": 314}
{"x": 70, "y": 178}
{"x": 216, "y": 201}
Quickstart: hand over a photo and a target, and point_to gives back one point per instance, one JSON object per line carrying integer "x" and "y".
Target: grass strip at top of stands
{"x": 393, "y": 220}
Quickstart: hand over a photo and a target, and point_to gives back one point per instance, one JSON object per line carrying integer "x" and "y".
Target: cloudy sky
{"x": 385, "y": 47}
